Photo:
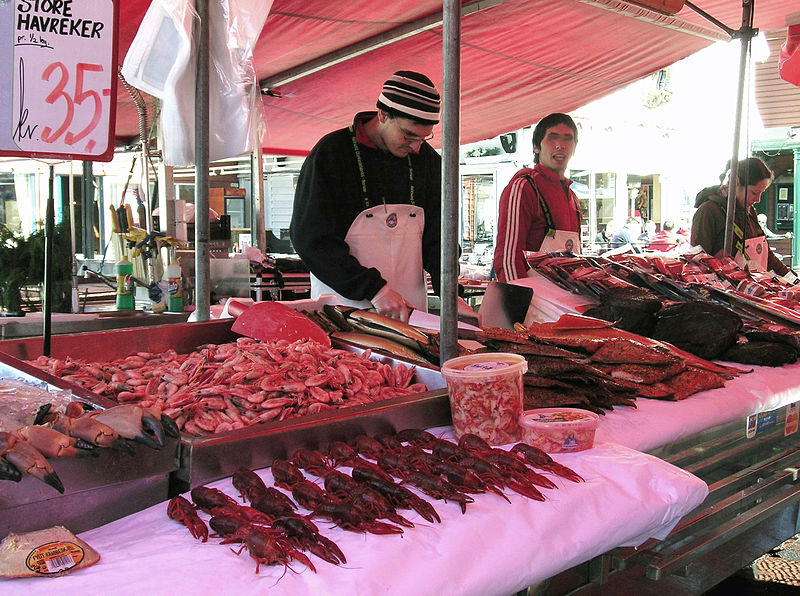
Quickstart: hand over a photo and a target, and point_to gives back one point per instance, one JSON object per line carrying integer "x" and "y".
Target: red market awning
{"x": 789, "y": 60}
{"x": 520, "y": 59}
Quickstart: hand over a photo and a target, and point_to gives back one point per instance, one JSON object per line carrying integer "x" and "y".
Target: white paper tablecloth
{"x": 654, "y": 423}
{"x": 495, "y": 548}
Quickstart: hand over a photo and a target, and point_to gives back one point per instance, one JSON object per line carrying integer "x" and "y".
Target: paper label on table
{"x": 757, "y": 254}
{"x": 54, "y": 557}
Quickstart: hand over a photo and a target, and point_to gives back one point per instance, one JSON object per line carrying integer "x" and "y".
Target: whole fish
{"x": 377, "y": 324}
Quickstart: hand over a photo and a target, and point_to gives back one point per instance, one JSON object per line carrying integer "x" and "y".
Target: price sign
{"x": 58, "y": 97}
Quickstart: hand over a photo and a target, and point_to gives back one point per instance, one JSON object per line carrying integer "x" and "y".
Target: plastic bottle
{"x": 124, "y": 285}
{"x": 172, "y": 275}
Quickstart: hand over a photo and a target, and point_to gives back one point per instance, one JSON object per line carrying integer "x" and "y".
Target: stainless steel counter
{"x": 207, "y": 458}
{"x": 63, "y": 323}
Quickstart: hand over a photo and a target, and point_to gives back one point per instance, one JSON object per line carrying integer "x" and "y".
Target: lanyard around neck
{"x": 362, "y": 174}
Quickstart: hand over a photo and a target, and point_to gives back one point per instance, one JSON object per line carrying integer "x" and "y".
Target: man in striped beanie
{"x": 367, "y": 205}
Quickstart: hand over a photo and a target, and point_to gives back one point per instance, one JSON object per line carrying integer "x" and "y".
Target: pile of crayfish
{"x": 366, "y": 500}
{"x": 219, "y": 388}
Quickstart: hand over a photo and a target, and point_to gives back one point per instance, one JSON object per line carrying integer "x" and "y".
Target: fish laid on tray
{"x": 585, "y": 362}
{"x": 576, "y": 361}
{"x": 368, "y": 329}
{"x": 708, "y": 306}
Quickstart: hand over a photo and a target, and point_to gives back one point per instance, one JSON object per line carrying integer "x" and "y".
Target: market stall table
{"x": 495, "y": 548}
{"x": 654, "y": 423}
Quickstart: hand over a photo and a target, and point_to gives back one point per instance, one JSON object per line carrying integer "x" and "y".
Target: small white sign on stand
{"x": 58, "y": 64}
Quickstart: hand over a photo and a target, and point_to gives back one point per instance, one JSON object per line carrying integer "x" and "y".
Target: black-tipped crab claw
{"x": 52, "y": 443}
{"x": 133, "y": 422}
{"x": 87, "y": 429}
{"x": 9, "y": 471}
{"x": 28, "y": 460}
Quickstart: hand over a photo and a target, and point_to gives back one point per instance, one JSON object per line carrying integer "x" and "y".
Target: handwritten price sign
{"x": 59, "y": 85}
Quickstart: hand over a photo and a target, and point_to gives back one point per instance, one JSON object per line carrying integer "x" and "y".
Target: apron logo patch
{"x": 391, "y": 220}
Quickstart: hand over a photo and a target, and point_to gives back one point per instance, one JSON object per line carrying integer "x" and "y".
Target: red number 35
{"x": 80, "y": 95}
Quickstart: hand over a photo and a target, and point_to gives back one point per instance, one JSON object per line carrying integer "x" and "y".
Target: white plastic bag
{"x": 161, "y": 61}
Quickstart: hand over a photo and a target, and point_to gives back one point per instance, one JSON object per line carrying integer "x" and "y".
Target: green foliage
{"x": 22, "y": 261}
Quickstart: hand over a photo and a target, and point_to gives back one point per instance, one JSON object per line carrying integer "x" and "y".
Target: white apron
{"x": 389, "y": 238}
{"x": 560, "y": 241}
{"x": 757, "y": 252}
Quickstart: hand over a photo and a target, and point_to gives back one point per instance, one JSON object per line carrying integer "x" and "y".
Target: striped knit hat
{"x": 413, "y": 95}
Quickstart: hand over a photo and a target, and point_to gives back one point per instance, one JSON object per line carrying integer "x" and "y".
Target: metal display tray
{"x": 204, "y": 459}
{"x": 97, "y": 490}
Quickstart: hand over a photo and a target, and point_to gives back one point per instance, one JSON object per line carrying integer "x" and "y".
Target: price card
{"x": 58, "y": 67}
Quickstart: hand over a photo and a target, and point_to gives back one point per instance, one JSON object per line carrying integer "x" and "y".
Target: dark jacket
{"x": 328, "y": 198}
{"x": 708, "y": 225}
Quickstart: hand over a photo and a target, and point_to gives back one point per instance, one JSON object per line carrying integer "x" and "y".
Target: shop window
{"x": 596, "y": 193}
{"x": 9, "y": 209}
{"x": 478, "y": 214}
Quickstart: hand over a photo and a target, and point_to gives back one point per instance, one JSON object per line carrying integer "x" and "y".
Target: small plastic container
{"x": 125, "y": 285}
{"x": 486, "y": 395}
{"x": 559, "y": 430}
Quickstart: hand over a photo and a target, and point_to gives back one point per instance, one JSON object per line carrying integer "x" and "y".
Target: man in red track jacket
{"x": 538, "y": 202}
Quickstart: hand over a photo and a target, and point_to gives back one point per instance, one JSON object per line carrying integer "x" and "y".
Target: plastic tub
{"x": 486, "y": 395}
{"x": 559, "y": 430}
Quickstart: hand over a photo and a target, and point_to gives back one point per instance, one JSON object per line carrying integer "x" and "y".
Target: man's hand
{"x": 390, "y": 304}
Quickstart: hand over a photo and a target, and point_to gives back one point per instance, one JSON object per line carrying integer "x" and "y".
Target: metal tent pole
{"x": 75, "y": 299}
{"x": 451, "y": 90}
{"x": 87, "y": 210}
{"x": 258, "y": 234}
{"x": 202, "y": 292}
{"x": 746, "y": 33}
{"x": 47, "y": 283}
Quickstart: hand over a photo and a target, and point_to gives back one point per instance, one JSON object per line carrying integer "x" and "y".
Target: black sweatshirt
{"x": 328, "y": 198}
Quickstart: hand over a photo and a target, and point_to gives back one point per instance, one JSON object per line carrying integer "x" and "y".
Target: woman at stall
{"x": 709, "y": 222}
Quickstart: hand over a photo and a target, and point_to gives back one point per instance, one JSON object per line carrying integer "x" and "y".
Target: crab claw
{"x": 132, "y": 422}
{"x": 86, "y": 428}
{"x": 9, "y": 471}
{"x": 76, "y": 409}
{"x": 170, "y": 428}
{"x": 168, "y": 425}
{"x": 42, "y": 413}
{"x": 52, "y": 443}
{"x": 28, "y": 460}
{"x": 153, "y": 428}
